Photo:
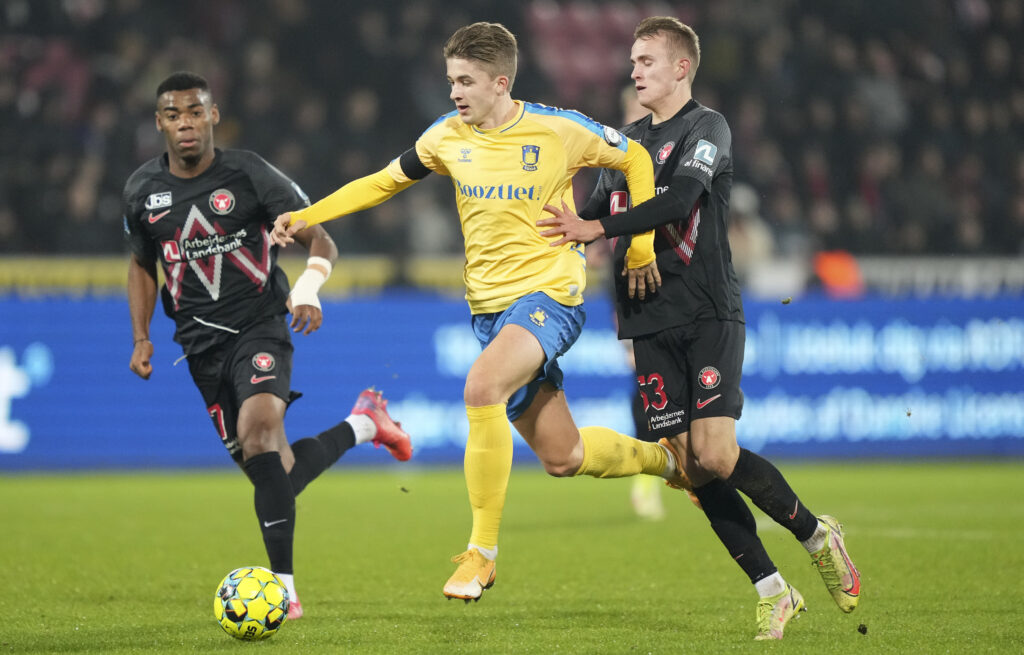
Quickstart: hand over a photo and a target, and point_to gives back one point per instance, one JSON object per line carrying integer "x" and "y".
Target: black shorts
{"x": 258, "y": 360}
{"x": 690, "y": 372}
{"x": 641, "y": 427}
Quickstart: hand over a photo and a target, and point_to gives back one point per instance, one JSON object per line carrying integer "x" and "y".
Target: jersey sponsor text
{"x": 212, "y": 244}
{"x": 497, "y": 191}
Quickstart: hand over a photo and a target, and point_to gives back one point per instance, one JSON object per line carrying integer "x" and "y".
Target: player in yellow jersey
{"x": 507, "y": 159}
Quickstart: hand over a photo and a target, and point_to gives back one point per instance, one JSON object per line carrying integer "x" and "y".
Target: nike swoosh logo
{"x": 796, "y": 506}
{"x": 153, "y": 218}
{"x": 701, "y": 404}
{"x": 267, "y": 524}
{"x": 854, "y": 589}
{"x": 256, "y": 380}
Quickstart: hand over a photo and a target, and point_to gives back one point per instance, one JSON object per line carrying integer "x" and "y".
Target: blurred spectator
{"x": 749, "y": 237}
{"x": 893, "y": 128}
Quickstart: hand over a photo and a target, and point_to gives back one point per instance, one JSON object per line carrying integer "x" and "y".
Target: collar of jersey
{"x": 690, "y": 105}
{"x": 165, "y": 164}
{"x": 507, "y": 126}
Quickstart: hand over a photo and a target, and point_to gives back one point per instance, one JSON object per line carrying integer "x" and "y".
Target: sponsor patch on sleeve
{"x": 706, "y": 152}
{"x": 612, "y": 136}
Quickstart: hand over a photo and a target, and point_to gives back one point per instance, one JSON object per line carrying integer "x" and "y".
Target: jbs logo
{"x": 158, "y": 200}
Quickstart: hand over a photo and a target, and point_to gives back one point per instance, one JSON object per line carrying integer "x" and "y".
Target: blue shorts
{"x": 556, "y": 327}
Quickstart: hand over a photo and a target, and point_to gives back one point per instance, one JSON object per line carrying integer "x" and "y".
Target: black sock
{"x": 314, "y": 455}
{"x": 764, "y": 485}
{"x": 275, "y": 507}
{"x": 734, "y": 524}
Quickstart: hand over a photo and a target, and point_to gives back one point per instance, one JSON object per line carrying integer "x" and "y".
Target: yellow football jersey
{"x": 502, "y": 178}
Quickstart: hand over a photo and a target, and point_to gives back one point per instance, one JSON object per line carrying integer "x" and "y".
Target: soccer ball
{"x": 251, "y": 603}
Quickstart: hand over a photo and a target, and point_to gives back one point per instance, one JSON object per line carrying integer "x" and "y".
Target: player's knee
{"x": 714, "y": 446}
{"x": 261, "y": 424}
{"x": 560, "y": 468}
{"x": 561, "y": 464}
{"x": 478, "y": 393}
{"x": 259, "y": 435}
{"x": 256, "y": 445}
{"x": 717, "y": 458}
{"x": 717, "y": 463}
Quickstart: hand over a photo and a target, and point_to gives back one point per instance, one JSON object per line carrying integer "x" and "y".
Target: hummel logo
{"x": 153, "y": 218}
{"x": 257, "y": 380}
{"x": 267, "y": 524}
{"x": 701, "y": 404}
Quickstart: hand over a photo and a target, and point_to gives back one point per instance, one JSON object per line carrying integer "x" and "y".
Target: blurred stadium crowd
{"x": 896, "y": 128}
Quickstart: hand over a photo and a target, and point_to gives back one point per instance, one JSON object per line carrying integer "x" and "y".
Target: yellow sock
{"x": 487, "y": 464}
{"x": 608, "y": 454}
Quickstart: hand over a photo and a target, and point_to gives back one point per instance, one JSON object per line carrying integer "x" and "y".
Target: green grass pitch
{"x": 128, "y": 563}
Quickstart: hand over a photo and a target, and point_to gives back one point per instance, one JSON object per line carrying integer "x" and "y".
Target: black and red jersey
{"x": 211, "y": 235}
{"x": 691, "y": 244}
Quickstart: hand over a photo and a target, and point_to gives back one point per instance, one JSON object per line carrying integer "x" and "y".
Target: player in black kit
{"x": 688, "y": 333}
{"x": 204, "y": 215}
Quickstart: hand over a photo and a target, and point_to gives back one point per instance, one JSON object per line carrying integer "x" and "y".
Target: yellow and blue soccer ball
{"x": 251, "y": 603}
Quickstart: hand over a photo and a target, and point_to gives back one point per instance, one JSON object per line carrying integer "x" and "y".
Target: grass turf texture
{"x": 128, "y": 563}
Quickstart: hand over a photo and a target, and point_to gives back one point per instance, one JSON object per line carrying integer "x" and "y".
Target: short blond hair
{"x": 491, "y": 44}
{"x": 680, "y": 37}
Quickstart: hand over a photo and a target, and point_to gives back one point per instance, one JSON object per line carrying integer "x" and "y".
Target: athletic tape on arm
{"x": 306, "y": 287}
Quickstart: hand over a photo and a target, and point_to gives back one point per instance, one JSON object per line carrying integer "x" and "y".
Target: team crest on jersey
{"x": 709, "y": 377}
{"x": 531, "y": 154}
{"x": 612, "y": 136}
{"x": 464, "y": 155}
{"x": 665, "y": 151}
{"x": 158, "y": 200}
{"x": 222, "y": 201}
{"x": 538, "y": 317}
{"x": 263, "y": 362}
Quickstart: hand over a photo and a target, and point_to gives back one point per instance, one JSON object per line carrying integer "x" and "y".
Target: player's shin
{"x": 609, "y": 454}
{"x": 488, "y": 463}
{"x": 734, "y": 524}
{"x": 314, "y": 455}
{"x": 274, "y": 499}
{"x": 767, "y": 488}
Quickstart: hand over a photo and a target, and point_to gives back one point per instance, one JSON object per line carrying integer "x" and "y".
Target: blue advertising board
{"x": 874, "y": 377}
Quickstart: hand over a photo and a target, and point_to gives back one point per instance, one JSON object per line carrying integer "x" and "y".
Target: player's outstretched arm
{"x": 303, "y": 302}
{"x": 565, "y": 225}
{"x": 357, "y": 195}
{"x": 141, "y": 302}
